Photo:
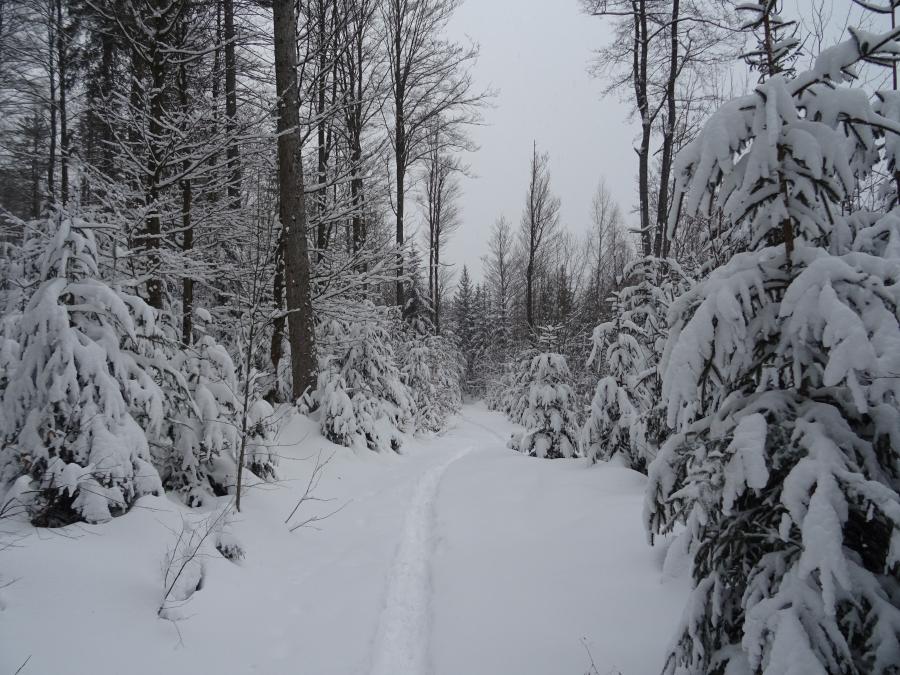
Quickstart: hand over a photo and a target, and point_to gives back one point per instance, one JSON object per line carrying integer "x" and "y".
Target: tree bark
{"x": 321, "y": 128}
{"x": 233, "y": 152}
{"x": 401, "y": 194}
{"x": 187, "y": 241}
{"x": 661, "y": 243}
{"x": 35, "y": 167}
{"x": 51, "y": 161}
{"x": 61, "y": 62}
{"x": 153, "y": 227}
{"x": 437, "y": 288}
{"x": 292, "y": 207}
{"x": 278, "y": 301}
{"x": 640, "y": 85}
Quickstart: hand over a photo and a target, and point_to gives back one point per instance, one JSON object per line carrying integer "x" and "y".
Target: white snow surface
{"x": 458, "y": 557}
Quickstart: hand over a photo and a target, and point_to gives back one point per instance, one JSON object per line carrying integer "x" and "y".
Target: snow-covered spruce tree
{"x": 511, "y": 397}
{"x": 260, "y": 454}
{"x": 203, "y": 430}
{"x": 615, "y": 405}
{"x": 78, "y": 399}
{"x": 363, "y": 400}
{"x": 550, "y": 421}
{"x": 627, "y": 416}
{"x": 448, "y": 373}
{"x": 607, "y": 431}
{"x": 782, "y": 382}
{"x": 417, "y": 372}
{"x": 463, "y": 324}
{"x": 433, "y": 370}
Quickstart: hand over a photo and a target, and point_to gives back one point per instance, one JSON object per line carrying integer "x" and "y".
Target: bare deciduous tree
{"x": 539, "y": 223}
{"x": 429, "y": 78}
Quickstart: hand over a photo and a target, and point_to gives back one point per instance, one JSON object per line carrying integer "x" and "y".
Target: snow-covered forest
{"x": 256, "y": 418}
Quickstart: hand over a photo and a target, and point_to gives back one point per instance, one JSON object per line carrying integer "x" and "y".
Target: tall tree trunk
{"x": 233, "y": 153}
{"x": 640, "y": 86}
{"x": 187, "y": 241}
{"x": 399, "y": 149}
{"x": 661, "y": 242}
{"x": 354, "y": 130}
{"x": 431, "y": 263}
{"x": 356, "y": 197}
{"x": 401, "y": 193}
{"x": 51, "y": 160}
{"x": 106, "y": 79}
{"x": 153, "y": 227}
{"x": 35, "y": 168}
{"x": 292, "y": 207}
{"x": 61, "y": 62}
{"x": 321, "y": 129}
{"x": 529, "y": 292}
{"x": 278, "y": 301}
{"x": 437, "y": 284}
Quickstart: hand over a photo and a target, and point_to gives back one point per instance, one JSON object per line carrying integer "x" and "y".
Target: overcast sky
{"x": 536, "y": 54}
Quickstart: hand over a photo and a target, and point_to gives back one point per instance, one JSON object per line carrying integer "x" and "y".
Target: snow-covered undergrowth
{"x": 506, "y": 563}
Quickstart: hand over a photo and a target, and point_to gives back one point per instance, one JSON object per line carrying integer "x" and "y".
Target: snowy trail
{"x": 456, "y": 557}
{"x": 402, "y": 635}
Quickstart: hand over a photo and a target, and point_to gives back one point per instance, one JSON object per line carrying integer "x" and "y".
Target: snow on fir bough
{"x": 782, "y": 385}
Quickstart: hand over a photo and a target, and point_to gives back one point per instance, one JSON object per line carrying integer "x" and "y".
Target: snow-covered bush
{"x": 260, "y": 454}
{"x": 607, "y": 432}
{"x": 78, "y": 397}
{"x": 449, "y": 374}
{"x": 509, "y": 394}
{"x": 203, "y": 427}
{"x": 550, "y": 420}
{"x": 433, "y": 370}
{"x": 417, "y": 374}
{"x": 617, "y": 401}
{"x": 627, "y": 415}
{"x": 363, "y": 400}
{"x": 782, "y": 382}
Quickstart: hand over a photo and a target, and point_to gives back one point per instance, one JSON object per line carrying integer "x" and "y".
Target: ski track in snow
{"x": 401, "y": 639}
{"x": 485, "y": 427}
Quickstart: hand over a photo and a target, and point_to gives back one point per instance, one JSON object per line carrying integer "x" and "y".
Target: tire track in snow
{"x": 401, "y": 639}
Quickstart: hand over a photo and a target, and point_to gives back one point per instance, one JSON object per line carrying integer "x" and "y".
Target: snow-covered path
{"x": 459, "y": 557}
{"x": 401, "y": 642}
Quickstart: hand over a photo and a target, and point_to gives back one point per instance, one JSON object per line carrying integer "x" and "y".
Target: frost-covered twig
{"x": 176, "y": 565}
{"x": 314, "y": 478}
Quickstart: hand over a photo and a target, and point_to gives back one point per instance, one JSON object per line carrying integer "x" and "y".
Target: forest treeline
{"x": 208, "y": 218}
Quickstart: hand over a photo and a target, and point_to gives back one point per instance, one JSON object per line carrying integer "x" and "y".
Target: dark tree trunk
{"x": 233, "y": 153}
{"x": 661, "y": 243}
{"x": 401, "y": 193}
{"x": 187, "y": 242}
{"x": 278, "y": 301}
{"x": 292, "y": 207}
{"x": 437, "y": 288}
{"x": 643, "y": 104}
{"x": 357, "y": 199}
{"x": 35, "y": 167}
{"x": 321, "y": 130}
{"x": 153, "y": 229}
{"x": 51, "y": 160}
{"x": 61, "y": 62}
{"x": 529, "y": 294}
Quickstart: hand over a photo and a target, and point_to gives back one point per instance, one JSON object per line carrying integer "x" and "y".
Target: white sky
{"x": 536, "y": 54}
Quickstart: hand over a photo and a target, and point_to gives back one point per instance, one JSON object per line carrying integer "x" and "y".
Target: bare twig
{"x": 311, "y": 485}
{"x": 190, "y": 555}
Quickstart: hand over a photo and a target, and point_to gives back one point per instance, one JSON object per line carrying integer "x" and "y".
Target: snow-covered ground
{"x": 459, "y": 557}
